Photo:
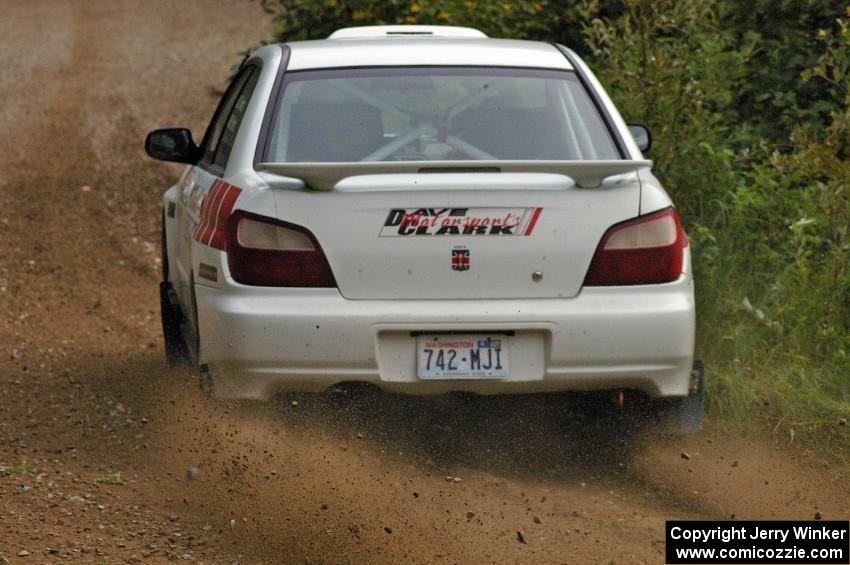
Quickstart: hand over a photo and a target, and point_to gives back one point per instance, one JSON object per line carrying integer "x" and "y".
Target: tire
{"x": 163, "y": 247}
{"x": 205, "y": 381}
{"x": 175, "y": 346}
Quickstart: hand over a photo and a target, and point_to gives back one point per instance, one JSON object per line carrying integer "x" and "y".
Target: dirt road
{"x": 108, "y": 457}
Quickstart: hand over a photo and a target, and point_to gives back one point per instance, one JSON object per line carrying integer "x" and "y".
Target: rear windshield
{"x": 433, "y": 114}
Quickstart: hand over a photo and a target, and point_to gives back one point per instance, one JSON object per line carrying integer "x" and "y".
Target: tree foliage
{"x": 749, "y": 105}
{"x": 310, "y": 19}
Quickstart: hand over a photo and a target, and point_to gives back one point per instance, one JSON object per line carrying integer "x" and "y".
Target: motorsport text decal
{"x": 403, "y": 222}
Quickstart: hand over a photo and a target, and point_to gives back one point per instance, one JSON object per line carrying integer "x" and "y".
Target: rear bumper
{"x": 259, "y": 341}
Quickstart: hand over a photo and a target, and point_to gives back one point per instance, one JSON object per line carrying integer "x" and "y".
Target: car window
{"x": 231, "y": 125}
{"x": 212, "y": 138}
{"x": 447, "y": 113}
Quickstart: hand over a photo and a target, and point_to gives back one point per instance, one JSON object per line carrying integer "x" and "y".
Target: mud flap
{"x": 175, "y": 346}
{"x": 685, "y": 416}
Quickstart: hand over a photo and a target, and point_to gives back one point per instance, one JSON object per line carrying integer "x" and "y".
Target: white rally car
{"x": 427, "y": 210}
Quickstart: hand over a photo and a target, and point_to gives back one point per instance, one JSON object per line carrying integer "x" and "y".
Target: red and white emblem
{"x": 460, "y": 259}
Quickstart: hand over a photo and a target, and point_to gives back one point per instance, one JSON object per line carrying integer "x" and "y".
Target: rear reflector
{"x": 646, "y": 250}
{"x": 262, "y": 251}
{"x": 262, "y": 235}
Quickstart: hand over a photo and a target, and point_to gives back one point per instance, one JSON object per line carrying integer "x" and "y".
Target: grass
{"x": 774, "y": 384}
{"x": 21, "y": 469}
{"x": 110, "y": 479}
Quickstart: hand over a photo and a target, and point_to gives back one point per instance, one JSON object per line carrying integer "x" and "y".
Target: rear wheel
{"x": 176, "y": 352}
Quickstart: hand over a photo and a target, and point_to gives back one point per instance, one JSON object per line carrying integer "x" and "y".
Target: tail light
{"x": 266, "y": 252}
{"x": 646, "y": 250}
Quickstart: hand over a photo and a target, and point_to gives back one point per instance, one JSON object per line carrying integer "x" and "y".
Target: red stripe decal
{"x": 533, "y": 221}
{"x": 216, "y": 208}
{"x": 203, "y": 216}
{"x": 216, "y": 212}
{"x": 218, "y": 239}
{"x": 215, "y": 198}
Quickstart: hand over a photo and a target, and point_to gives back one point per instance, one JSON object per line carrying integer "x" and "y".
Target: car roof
{"x": 361, "y": 32}
{"x": 420, "y": 50}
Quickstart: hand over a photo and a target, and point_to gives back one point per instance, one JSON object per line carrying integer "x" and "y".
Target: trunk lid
{"x": 459, "y": 235}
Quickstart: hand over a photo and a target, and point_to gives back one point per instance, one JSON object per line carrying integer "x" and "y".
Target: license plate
{"x": 462, "y": 356}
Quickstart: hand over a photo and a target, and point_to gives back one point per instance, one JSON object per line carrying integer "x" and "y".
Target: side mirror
{"x": 172, "y": 144}
{"x": 641, "y": 136}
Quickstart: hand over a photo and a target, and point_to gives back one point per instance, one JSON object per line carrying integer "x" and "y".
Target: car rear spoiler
{"x": 325, "y": 176}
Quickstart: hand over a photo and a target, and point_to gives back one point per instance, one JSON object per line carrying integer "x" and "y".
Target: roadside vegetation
{"x": 749, "y": 107}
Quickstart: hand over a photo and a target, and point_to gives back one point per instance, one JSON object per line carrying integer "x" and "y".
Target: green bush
{"x": 751, "y": 120}
{"x": 768, "y": 222}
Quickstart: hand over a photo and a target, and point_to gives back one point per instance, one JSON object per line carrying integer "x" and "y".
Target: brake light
{"x": 266, "y": 252}
{"x": 646, "y": 250}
